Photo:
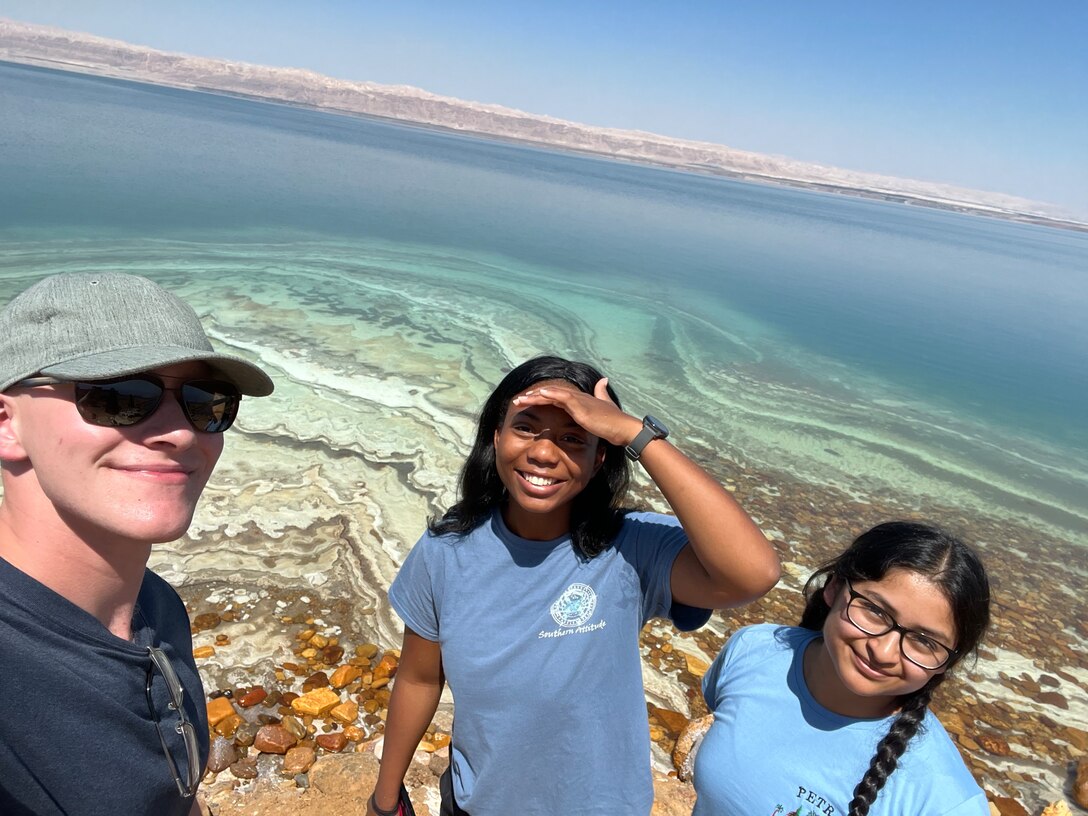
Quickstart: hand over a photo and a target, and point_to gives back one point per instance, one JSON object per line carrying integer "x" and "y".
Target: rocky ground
{"x": 309, "y": 740}
{"x": 303, "y": 735}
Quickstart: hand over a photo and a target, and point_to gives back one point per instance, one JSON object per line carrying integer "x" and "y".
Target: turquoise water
{"x": 860, "y": 344}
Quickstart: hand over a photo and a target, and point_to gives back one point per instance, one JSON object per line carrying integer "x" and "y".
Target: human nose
{"x": 544, "y": 449}
{"x": 169, "y": 423}
{"x": 885, "y": 649}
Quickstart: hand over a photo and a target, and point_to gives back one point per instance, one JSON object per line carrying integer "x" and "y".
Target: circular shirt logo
{"x": 575, "y": 606}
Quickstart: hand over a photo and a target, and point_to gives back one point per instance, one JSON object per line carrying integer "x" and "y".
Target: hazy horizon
{"x": 956, "y": 95}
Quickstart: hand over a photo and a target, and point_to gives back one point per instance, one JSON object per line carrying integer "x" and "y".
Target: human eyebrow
{"x": 879, "y": 600}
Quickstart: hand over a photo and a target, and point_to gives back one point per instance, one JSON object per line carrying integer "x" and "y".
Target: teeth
{"x": 539, "y": 481}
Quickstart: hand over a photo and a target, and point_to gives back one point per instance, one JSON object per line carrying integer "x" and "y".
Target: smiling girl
{"x": 831, "y": 717}
{"x": 529, "y": 594}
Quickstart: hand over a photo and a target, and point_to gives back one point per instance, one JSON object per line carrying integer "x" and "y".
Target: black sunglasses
{"x": 209, "y": 405}
{"x": 176, "y": 703}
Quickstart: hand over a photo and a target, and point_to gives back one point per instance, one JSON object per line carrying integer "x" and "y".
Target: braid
{"x": 888, "y": 751}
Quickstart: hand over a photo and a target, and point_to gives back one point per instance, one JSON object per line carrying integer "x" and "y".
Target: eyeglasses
{"x": 184, "y": 726}
{"x": 920, "y": 649}
{"x": 209, "y": 405}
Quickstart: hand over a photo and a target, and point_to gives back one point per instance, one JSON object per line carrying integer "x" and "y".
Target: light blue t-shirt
{"x": 540, "y": 649}
{"x": 774, "y": 750}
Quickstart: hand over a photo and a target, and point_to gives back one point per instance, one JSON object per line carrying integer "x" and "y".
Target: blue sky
{"x": 991, "y": 95}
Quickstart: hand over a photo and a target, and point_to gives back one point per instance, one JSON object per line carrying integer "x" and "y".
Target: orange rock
{"x": 344, "y": 675}
{"x": 319, "y": 641}
{"x": 994, "y": 744}
{"x": 386, "y": 667}
{"x": 696, "y": 665}
{"x": 441, "y": 740}
{"x": 353, "y": 733}
{"x": 316, "y": 703}
{"x": 203, "y": 651}
{"x": 345, "y": 713}
{"x": 218, "y": 709}
{"x": 674, "y": 721}
{"x": 228, "y": 725}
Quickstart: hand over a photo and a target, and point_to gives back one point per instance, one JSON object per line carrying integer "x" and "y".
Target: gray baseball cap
{"x": 96, "y": 326}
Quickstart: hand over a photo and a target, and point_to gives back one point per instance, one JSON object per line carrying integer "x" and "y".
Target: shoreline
{"x": 636, "y": 141}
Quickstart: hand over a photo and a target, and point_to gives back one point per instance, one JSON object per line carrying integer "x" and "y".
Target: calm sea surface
{"x": 848, "y": 342}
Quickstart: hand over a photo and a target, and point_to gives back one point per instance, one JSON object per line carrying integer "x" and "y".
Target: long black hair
{"x": 596, "y": 512}
{"x": 949, "y": 564}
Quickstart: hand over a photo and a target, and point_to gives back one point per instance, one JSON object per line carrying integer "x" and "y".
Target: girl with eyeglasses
{"x": 529, "y": 594}
{"x": 831, "y": 717}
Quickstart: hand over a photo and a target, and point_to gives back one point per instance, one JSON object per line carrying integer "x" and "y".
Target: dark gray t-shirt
{"x": 77, "y": 735}
{"x": 540, "y": 649}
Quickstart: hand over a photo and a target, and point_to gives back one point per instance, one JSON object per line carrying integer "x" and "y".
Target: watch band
{"x": 651, "y": 429}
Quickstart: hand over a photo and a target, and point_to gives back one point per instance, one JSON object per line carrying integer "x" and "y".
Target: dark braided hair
{"x": 596, "y": 513}
{"x": 949, "y": 564}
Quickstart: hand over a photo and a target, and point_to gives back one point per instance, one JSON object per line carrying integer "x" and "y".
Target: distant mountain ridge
{"x": 52, "y": 47}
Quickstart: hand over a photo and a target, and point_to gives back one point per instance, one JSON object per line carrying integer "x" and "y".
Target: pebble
{"x": 298, "y": 760}
{"x": 274, "y": 739}
{"x": 221, "y": 755}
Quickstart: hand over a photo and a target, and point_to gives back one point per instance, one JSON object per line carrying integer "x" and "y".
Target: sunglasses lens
{"x": 117, "y": 404}
{"x": 210, "y": 405}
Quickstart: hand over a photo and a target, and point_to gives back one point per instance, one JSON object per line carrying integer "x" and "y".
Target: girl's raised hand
{"x": 595, "y": 412}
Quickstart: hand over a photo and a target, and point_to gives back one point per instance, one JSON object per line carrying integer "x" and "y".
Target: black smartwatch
{"x": 652, "y": 429}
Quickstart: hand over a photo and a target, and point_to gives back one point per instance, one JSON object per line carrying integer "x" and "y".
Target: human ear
{"x": 11, "y": 448}
{"x": 831, "y": 590}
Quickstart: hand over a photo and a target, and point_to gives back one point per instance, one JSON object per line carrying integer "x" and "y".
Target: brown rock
{"x": 245, "y": 734}
{"x": 1080, "y": 784}
{"x": 1053, "y": 698}
{"x": 201, "y": 652}
{"x": 315, "y": 681}
{"x": 218, "y": 709}
{"x": 222, "y": 755}
{"x": 351, "y": 776}
{"x": 367, "y": 650}
{"x": 245, "y": 768}
{"x": 344, "y": 675}
{"x": 252, "y": 696}
{"x": 332, "y": 653}
{"x": 333, "y": 742}
{"x": 274, "y": 739}
{"x": 208, "y": 620}
{"x": 298, "y": 760}
{"x": 294, "y": 725}
{"x": 316, "y": 703}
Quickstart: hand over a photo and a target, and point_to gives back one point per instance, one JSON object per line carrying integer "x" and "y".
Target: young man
{"x": 112, "y": 411}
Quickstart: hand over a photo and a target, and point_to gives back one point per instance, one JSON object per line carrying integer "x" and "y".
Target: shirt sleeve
{"x": 717, "y": 676}
{"x": 415, "y": 595}
{"x": 657, "y": 539}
